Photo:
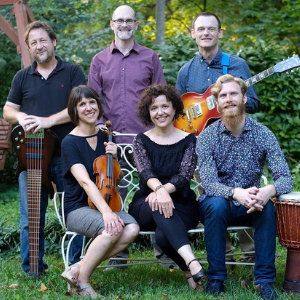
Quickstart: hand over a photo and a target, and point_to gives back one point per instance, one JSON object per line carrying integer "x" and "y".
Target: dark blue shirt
{"x": 226, "y": 161}
{"x": 45, "y": 97}
{"x": 197, "y": 75}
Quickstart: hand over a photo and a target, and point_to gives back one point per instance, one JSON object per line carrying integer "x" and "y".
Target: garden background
{"x": 262, "y": 32}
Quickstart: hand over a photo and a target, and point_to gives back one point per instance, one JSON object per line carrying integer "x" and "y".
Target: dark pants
{"x": 216, "y": 213}
{"x": 170, "y": 234}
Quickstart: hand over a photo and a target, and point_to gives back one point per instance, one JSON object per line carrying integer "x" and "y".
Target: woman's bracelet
{"x": 159, "y": 187}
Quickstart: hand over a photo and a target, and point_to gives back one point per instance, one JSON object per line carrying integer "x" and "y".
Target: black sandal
{"x": 198, "y": 276}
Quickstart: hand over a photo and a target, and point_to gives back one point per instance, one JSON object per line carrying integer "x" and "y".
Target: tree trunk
{"x": 160, "y": 21}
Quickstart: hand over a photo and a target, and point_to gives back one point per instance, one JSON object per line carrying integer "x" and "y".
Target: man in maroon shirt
{"x": 119, "y": 74}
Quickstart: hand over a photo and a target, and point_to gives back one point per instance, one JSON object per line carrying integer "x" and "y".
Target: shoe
{"x": 266, "y": 291}
{"x": 202, "y": 273}
{"x": 70, "y": 276}
{"x": 114, "y": 263}
{"x": 87, "y": 290}
{"x": 215, "y": 286}
{"x": 194, "y": 285}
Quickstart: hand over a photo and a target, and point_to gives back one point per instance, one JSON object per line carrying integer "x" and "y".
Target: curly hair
{"x": 153, "y": 92}
{"x": 76, "y": 95}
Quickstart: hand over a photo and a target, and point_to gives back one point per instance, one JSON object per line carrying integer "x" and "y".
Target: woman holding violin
{"x": 165, "y": 159}
{"x": 111, "y": 231}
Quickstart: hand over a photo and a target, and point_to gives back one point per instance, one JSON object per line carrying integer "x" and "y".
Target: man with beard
{"x": 119, "y": 74}
{"x": 38, "y": 99}
{"x": 231, "y": 156}
{"x": 202, "y": 71}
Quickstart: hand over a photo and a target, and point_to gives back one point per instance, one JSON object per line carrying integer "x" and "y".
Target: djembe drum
{"x": 288, "y": 231}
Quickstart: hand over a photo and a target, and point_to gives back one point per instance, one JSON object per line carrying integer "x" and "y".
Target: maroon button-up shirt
{"x": 120, "y": 81}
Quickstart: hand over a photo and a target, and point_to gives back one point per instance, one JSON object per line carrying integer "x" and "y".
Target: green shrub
{"x": 279, "y": 95}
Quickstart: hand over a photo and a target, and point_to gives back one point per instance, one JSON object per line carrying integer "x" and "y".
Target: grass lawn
{"x": 136, "y": 282}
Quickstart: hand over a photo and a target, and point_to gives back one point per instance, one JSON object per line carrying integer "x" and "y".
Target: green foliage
{"x": 296, "y": 177}
{"x": 174, "y": 54}
{"x": 9, "y": 224}
{"x": 279, "y": 95}
{"x": 8, "y": 175}
{"x": 263, "y": 39}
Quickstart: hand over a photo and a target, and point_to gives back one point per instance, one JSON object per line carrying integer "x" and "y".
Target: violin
{"x": 107, "y": 171}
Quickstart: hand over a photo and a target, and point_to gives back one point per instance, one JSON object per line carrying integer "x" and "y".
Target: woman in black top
{"x": 111, "y": 232}
{"x": 165, "y": 160}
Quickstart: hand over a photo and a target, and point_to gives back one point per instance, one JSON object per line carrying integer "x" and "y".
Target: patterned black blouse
{"x": 173, "y": 164}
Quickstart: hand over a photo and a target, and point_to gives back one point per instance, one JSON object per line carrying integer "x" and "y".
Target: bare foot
{"x": 85, "y": 289}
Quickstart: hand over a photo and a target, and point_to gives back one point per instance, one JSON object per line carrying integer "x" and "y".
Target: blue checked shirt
{"x": 198, "y": 75}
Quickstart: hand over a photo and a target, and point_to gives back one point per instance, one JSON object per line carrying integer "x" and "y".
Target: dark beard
{"x": 233, "y": 118}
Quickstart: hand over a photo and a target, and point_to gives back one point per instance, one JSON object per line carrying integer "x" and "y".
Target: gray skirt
{"x": 89, "y": 222}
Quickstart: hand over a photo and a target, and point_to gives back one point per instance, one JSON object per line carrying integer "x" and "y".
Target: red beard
{"x": 232, "y": 117}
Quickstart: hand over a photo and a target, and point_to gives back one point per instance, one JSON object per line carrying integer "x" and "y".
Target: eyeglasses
{"x": 209, "y": 29}
{"x": 129, "y": 22}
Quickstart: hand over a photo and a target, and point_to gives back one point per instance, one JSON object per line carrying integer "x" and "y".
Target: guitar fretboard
{"x": 259, "y": 76}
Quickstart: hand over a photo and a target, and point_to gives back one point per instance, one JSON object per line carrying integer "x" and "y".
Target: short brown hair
{"x": 76, "y": 95}
{"x": 37, "y": 25}
{"x": 206, "y": 14}
{"x": 225, "y": 79}
{"x": 153, "y": 92}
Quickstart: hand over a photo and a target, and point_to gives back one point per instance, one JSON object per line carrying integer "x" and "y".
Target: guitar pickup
{"x": 198, "y": 110}
{"x": 187, "y": 114}
{"x": 192, "y": 112}
{"x": 211, "y": 102}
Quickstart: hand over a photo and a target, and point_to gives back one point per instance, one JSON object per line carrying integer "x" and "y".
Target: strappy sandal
{"x": 70, "y": 276}
{"x": 198, "y": 276}
{"x": 82, "y": 290}
{"x": 194, "y": 285}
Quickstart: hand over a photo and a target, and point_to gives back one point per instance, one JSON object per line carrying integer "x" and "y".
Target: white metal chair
{"x": 68, "y": 236}
{"x": 130, "y": 182}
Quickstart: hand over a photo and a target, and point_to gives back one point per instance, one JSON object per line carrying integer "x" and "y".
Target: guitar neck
{"x": 259, "y": 76}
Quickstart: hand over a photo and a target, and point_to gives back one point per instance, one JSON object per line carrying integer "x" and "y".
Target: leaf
{"x": 43, "y": 288}
{"x": 12, "y": 286}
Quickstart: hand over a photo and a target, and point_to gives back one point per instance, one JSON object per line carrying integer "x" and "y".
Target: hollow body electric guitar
{"x": 201, "y": 109}
{"x": 34, "y": 152}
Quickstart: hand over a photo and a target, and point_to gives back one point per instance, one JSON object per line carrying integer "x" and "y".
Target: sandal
{"x": 86, "y": 289}
{"x": 194, "y": 285}
{"x": 198, "y": 276}
{"x": 70, "y": 276}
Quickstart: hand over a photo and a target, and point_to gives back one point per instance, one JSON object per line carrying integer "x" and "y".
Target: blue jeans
{"x": 55, "y": 173}
{"x": 217, "y": 213}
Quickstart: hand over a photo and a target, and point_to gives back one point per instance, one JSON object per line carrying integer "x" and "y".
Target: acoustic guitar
{"x": 201, "y": 109}
{"x": 34, "y": 152}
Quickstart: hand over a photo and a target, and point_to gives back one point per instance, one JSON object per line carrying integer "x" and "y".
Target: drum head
{"x": 295, "y": 196}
